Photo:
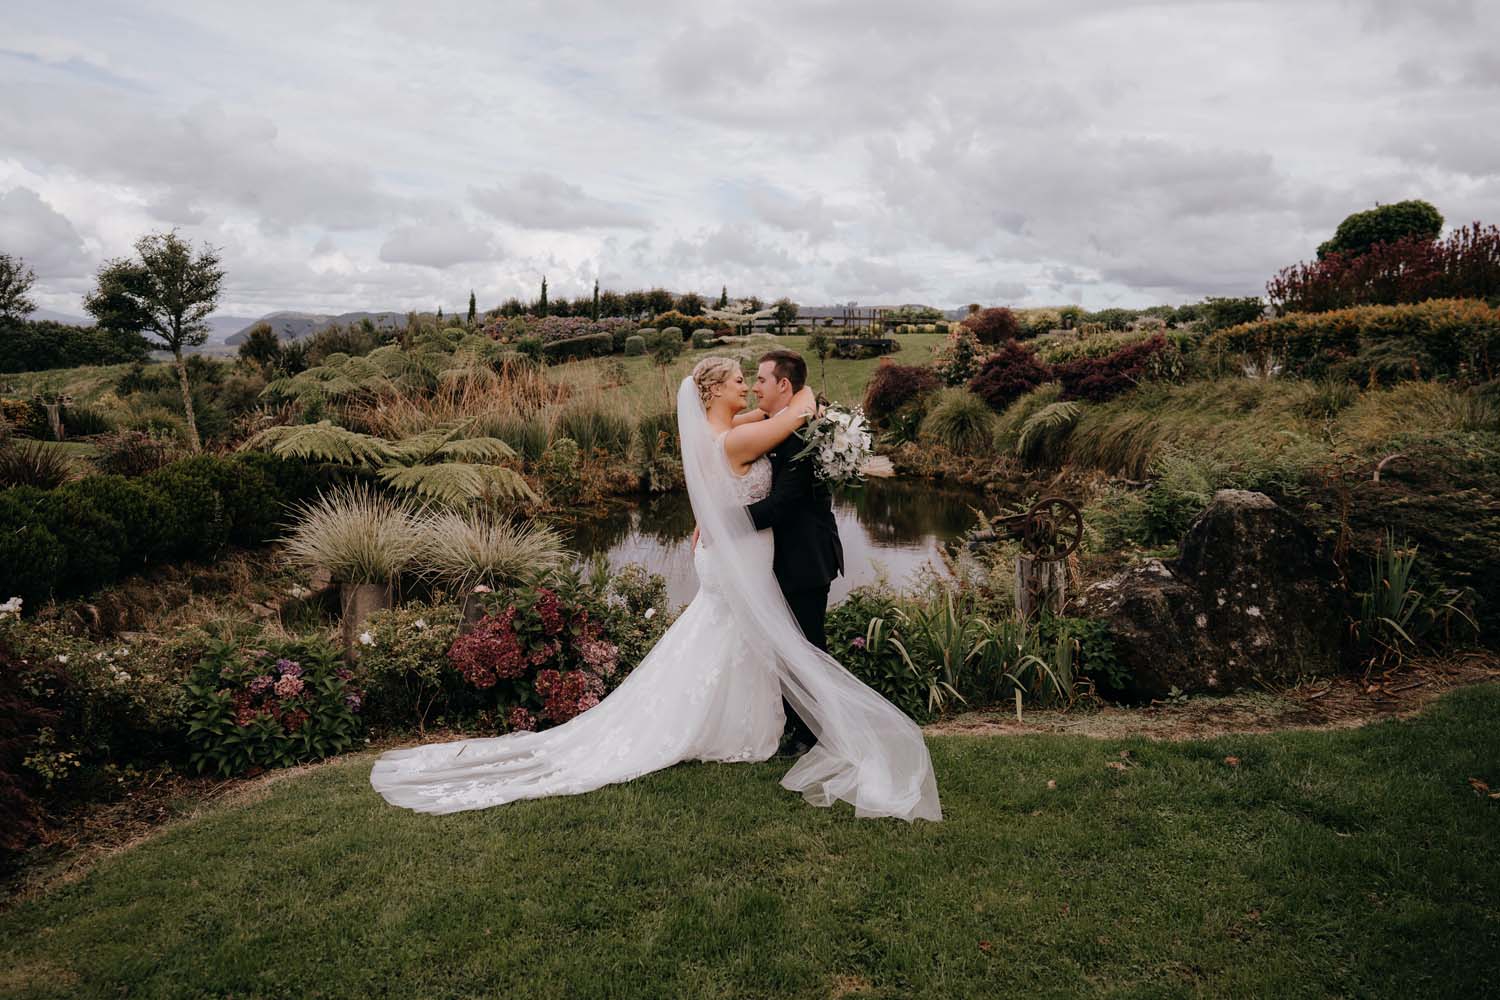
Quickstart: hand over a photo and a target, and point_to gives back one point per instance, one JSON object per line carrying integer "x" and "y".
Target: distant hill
{"x": 297, "y": 325}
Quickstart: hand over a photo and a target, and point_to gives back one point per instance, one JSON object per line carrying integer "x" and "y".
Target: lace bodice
{"x": 755, "y": 484}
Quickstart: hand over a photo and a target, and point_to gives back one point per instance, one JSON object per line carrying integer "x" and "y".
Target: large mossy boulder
{"x": 1252, "y": 598}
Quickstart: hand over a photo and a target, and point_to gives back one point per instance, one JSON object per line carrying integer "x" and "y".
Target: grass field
{"x": 645, "y": 393}
{"x": 1347, "y": 863}
{"x": 648, "y": 391}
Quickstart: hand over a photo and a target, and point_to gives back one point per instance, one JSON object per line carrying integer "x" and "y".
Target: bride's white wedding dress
{"x": 709, "y": 690}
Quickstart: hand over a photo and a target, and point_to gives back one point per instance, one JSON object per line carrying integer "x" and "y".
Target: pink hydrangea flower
{"x": 290, "y": 686}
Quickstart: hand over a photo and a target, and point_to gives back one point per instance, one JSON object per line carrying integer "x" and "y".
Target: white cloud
{"x": 538, "y": 201}
{"x": 1113, "y": 151}
{"x": 35, "y": 231}
{"x": 439, "y": 245}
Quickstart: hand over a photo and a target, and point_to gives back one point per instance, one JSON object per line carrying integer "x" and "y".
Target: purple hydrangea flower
{"x": 858, "y": 642}
{"x": 289, "y": 668}
{"x": 262, "y": 684}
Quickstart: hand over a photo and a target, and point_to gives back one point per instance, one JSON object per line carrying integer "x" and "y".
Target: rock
{"x": 1252, "y": 597}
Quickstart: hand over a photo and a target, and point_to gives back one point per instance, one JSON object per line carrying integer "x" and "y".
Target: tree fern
{"x": 1045, "y": 428}
{"x": 459, "y": 482}
{"x": 324, "y": 441}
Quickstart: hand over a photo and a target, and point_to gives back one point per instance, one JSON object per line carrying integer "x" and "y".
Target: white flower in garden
{"x": 420, "y": 623}
{"x": 366, "y": 639}
{"x": 62, "y": 658}
{"x": 10, "y": 607}
{"x": 480, "y": 588}
{"x": 299, "y": 592}
{"x": 650, "y": 613}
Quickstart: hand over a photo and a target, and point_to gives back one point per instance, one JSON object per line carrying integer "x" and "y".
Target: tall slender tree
{"x": 473, "y": 310}
{"x": 168, "y": 293}
{"x": 16, "y": 280}
{"x": 541, "y": 305}
{"x": 723, "y": 297}
{"x": 594, "y": 315}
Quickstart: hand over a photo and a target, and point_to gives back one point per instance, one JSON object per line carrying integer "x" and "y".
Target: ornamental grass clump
{"x": 468, "y": 549}
{"x": 960, "y": 421}
{"x": 358, "y": 535}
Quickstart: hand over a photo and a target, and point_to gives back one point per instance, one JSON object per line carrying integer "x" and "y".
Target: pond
{"x": 890, "y": 528}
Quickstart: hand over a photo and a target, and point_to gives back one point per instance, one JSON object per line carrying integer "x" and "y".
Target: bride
{"x": 711, "y": 689}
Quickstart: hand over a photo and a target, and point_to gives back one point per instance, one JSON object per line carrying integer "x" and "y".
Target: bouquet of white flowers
{"x": 842, "y": 448}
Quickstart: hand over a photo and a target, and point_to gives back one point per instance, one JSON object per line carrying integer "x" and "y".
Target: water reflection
{"x": 891, "y": 528}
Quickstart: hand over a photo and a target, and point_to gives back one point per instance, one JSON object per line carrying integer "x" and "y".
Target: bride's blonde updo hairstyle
{"x": 710, "y": 373}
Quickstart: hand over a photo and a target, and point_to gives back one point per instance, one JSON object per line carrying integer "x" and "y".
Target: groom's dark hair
{"x": 788, "y": 365}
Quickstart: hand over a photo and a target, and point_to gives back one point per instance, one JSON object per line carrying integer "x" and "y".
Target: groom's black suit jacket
{"x": 799, "y": 512}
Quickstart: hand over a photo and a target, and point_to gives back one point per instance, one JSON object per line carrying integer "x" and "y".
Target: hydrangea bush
{"x": 283, "y": 704}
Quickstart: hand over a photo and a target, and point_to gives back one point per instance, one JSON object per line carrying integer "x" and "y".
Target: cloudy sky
{"x": 393, "y": 155}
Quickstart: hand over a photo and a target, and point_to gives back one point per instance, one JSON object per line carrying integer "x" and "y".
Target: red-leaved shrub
{"x": 994, "y": 326}
{"x": 1466, "y": 264}
{"x": 1008, "y": 374}
{"x": 893, "y": 386}
{"x": 1098, "y": 379}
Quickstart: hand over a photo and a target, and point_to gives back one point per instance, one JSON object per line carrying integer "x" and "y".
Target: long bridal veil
{"x": 868, "y": 753}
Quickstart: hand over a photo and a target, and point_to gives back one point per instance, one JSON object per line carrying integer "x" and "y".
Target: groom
{"x": 799, "y": 512}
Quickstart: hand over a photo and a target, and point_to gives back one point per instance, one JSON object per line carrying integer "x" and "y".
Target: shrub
{"x": 704, "y": 338}
{"x": 287, "y": 703}
{"x": 681, "y": 321}
{"x": 593, "y": 345}
{"x": 84, "y": 421}
{"x": 669, "y": 335}
{"x": 27, "y": 346}
{"x": 536, "y": 657}
{"x": 530, "y": 346}
{"x": 143, "y": 513}
{"x": 960, "y": 421}
{"x": 1113, "y": 319}
{"x": 404, "y": 669}
{"x": 1465, "y": 264}
{"x": 958, "y": 358}
{"x": 95, "y": 541}
{"x": 1219, "y": 313}
{"x": 635, "y": 346}
{"x": 892, "y": 386}
{"x": 1007, "y": 374}
{"x": 34, "y": 463}
{"x": 1359, "y": 232}
{"x": 1452, "y": 338}
{"x": 993, "y": 326}
{"x": 1104, "y": 378}
{"x": 31, "y": 556}
{"x": 860, "y": 634}
{"x": 132, "y": 453}
{"x": 527, "y": 436}
{"x": 23, "y": 723}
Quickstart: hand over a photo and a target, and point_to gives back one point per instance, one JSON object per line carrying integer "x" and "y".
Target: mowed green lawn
{"x": 1353, "y": 863}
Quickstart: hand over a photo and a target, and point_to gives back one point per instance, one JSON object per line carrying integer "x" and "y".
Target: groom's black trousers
{"x": 810, "y": 608}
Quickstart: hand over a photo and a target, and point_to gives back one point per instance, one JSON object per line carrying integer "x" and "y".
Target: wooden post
{"x": 54, "y": 420}
{"x": 1039, "y": 584}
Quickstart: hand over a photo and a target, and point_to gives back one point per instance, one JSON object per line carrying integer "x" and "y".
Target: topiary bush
{"x": 1008, "y": 374}
{"x": 593, "y": 345}
{"x": 704, "y": 338}
{"x": 892, "y": 386}
{"x": 635, "y": 346}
